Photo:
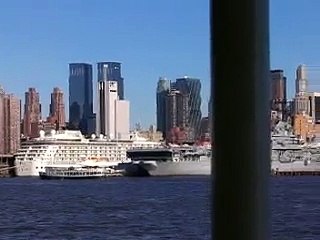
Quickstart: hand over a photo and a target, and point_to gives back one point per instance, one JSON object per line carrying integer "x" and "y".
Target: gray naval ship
{"x": 290, "y": 154}
{"x": 169, "y": 161}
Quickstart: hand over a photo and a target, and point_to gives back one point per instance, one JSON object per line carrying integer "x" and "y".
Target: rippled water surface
{"x": 141, "y": 208}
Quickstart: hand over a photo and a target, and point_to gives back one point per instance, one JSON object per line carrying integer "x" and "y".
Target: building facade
{"x": 304, "y": 127}
{"x": 32, "y": 114}
{"x": 301, "y": 100}
{"x": 80, "y": 97}
{"x": 9, "y": 123}
{"x": 191, "y": 87}
{"x": 111, "y": 71}
{"x": 301, "y": 80}
{"x": 279, "y": 92}
{"x": 163, "y": 89}
{"x": 122, "y": 113}
{"x": 179, "y": 109}
{"x": 113, "y": 114}
{"x": 57, "y": 109}
{"x": 177, "y": 117}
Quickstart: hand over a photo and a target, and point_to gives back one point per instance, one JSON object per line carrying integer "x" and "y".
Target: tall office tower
{"x": 57, "y": 111}
{"x": 113, "y": 114}
{"x": 32, "y": 114}
{"x": 301, "y": 100}
{"x": 278, "y": 92}
{"x": 210, "y": 115}
{"x": 111, "y": 71}
{"x": 192, "y": 88}
{"x": 177, "y": 110}
{"x": 204, "y": 128}
{"x": 301, "y": 80}
{"x": 2, "y": 120}
{"x": 177, "y": 117}
{"x": 80, "y": 97}
{"x": 163, "y": 89}
{"x": 9, "y": 123}
{"x": 122, "y": 123}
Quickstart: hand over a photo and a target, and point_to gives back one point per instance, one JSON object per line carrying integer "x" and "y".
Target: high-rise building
{"x": 301, "y": 80}
{"x": 9, "y": 123}
{"x": 163, "y": 89}
{"x": 204, "y": 128}
{"x": 32, "y": 114}
{"x": 279, "y": 92}
{"x": 80, "y": 97}
{"x": 111, "y": 71}
{"x": 113, "y": 114}
{"x": 192, "y": 88}
{"x": 57, "y": 110}
{"x": 210, "y": 115}
{"x": 301, "y": 100}
{"x": 177, "y": 116}
{"x": 122, "y": 113}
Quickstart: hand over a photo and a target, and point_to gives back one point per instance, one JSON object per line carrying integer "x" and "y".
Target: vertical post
{"x": 240, "y": 89}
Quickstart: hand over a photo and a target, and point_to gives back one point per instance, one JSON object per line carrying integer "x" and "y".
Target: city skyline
{"x": 162, "y": 47}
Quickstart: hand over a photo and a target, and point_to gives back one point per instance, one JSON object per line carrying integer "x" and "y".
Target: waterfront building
{"x": 9, "y": 123}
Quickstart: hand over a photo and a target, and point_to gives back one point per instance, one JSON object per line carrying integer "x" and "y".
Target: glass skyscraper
{"x": 111, "y": 71}
{"x": 192, "y": 88}
{"x": 163, "y": 89}
{"x": 80, "y": 97}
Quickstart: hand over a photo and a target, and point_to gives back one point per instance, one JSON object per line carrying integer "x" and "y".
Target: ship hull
{"x": 28, "y": 168}
{"x": 296, "y": 166}
{"x": 158, "y": 168}
{"x": 32, "y": 168}
{"x": 44, "y": 176}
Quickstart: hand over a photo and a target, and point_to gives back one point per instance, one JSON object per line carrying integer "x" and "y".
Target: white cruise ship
{"x": 71, "y": 147}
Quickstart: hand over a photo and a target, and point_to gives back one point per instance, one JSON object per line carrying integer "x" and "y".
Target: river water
{"x": 142, "y": 208}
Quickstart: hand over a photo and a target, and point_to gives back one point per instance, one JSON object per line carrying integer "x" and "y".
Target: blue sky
{"x": 151, "y": 38}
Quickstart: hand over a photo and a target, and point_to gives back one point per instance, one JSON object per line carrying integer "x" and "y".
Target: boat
{"x": 290, "y": 154}
{"x": 78, "y": 172}
{"x": 70, "y": 147}
{"x": 169, "y": 161}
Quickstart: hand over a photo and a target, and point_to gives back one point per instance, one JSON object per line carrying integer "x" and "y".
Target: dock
{"x": 7, "y": 167}
{"x": 295, "y": 173}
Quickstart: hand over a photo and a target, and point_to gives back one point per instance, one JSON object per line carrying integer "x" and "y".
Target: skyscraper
{"x": 192, "y": 88}
{"x": 279, "y": 92}
{"x": 301, "y": 100}
{"x": 80, "y": 96}
{"x": 113, "y": 114}
{"x": 32, "y": 113}
{"x": 210, "y": 116}
{"x": 177, "y": 111}
{"x": 163, "y": 89}
{"x": 9, "y": 123}
{"x": 57, "y": 110}
{"x": 111, "y": 71}
{"x": 301, "y": 80}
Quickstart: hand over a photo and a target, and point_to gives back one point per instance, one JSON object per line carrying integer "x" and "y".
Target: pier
{"x": 7, "y": 167}
{"x": 295, "y": 173}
